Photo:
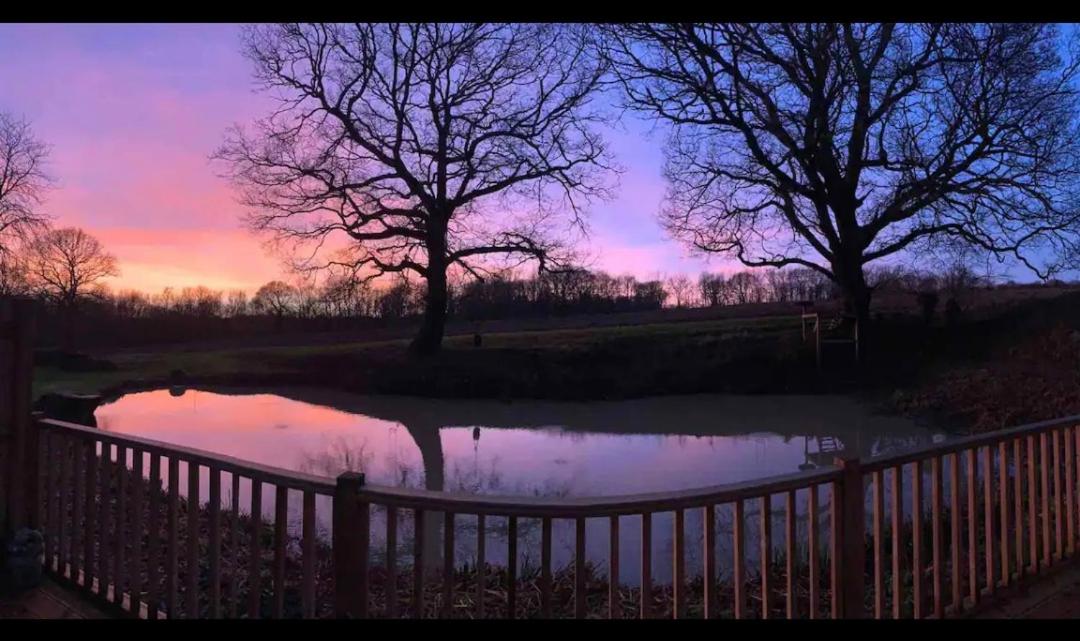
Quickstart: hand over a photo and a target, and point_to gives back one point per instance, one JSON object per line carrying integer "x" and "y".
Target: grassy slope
{"x": 506, "y": 360}
{"x": 1014, "y": 359}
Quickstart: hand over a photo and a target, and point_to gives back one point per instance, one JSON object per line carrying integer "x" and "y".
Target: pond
{"x": 533, "y": 448}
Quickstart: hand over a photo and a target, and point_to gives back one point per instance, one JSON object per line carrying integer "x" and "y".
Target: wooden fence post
{"x": 26, "y": 442}
{"x": 350, "y": 547}
{"x": 852, "y": 539}
{"x": 18, "y": 461}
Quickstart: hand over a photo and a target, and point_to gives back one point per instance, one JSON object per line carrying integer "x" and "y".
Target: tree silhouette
{"x": 64, "y": 265}
{"x": 833, "y": 145}
{"x": 425, "y": 146}
{"x": 23, "y": 180}
{"x": 276, "y": 298}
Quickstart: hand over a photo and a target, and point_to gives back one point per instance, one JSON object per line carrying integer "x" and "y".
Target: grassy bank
{"x": 999, "y": 367}
{"x": 733, "y": 355}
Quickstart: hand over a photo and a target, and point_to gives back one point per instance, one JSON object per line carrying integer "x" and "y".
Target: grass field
{"x": 289, "y": 362}
{"x": 682, "y": 354}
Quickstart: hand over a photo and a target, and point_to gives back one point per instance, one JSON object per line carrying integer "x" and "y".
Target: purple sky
{"x": 132, "y": 113}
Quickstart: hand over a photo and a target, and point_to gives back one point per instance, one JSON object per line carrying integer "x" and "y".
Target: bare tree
{"x": 425, "y": 146}
{"x": 13, "y": 281}
{"x": 832, "y": 145}
{"x": 236, "y": 303}
{"x": 681, "y": 288}
{"x": 276, "y": 298}
{"x": 65, "y": 266}
{"x": 23, "y": 181}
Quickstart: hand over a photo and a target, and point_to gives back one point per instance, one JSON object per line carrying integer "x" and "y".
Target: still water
{"x": 530, "y": 448}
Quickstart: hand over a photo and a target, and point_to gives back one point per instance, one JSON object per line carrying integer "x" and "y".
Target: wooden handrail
{"x": 598, "y": 506}
{"x": 568, "y": 507}
{"x": 264, "y": 473}
{"x": 886, "y": 461}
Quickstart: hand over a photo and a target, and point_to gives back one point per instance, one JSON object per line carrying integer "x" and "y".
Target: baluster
{"x": 52, "y": 520}
{"x": 418, "y": 563}
{"x": 1075, "y": 440}
{"x": 935, "y": 527}
{"x": 255, "y": 547}
{"x": 646, "y": 565}
{"x": 579, "y": 570}
{"x": 678, "y": 574}
{"x": 988, "y": 516}
{"x": 391, "y": 561}
{"x": 120, "y": 569}
{"x": 481, "y": 565}
{"x": 1003, "y": 500}
{"x": 48, "y": 499}
{"x": 234, "y": 548}
{"x": 739, "y": 570}
{"x": 448, "y": 565}
{"x": 63, "y": 518}
{"x": 897, "y": 509}
{"x": 135, "y": 575}
{"x": 917, "y": 564}
{"x": 955, "y": 515}
{"x": 281, "y": 538}
{"x": 1070, "y": 496}
{"x": 511, "y": 567}
{"x": 1058, "y": 542}
{"x": 215, "y": 542}
{"x": 80, "y": 568}
{"x": 1018, "y": 511}
{"x": 91, "y": 532}
{"x": 836, "y": 526}
{"x": 812, "y": 545}
{"x": 614, "y": 606}
{"x": 172, "y": 548}
{"x": 545, "y": 567}
{"x": 879, "y": 554}
{"x": 1033, "y": 536}
{"x": 153, "y": 547}
{"x": 972, "y": 551}
{"x": 709, "y": 560}
{"x": 766, "y": 553}
{"x": 1044, "y": 476}
{"x": 789, "y": 540}
{"x": 191, "y": 594}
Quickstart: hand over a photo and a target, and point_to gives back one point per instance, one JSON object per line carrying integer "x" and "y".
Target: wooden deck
{"x": 49, "y": 601}
{"x": 1056, "y": 596}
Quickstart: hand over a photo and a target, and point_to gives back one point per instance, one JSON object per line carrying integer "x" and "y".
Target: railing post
{"x": 17, "y": 364}
{"x": 350, "y": 547}
{"x": 852, "y": 539}
{"x": 35, "y": 461}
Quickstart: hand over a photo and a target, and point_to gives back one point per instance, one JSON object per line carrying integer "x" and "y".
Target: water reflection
{"x": 530, "y": 448}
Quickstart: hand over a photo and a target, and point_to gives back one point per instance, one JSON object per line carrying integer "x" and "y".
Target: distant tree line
{"x": 94, "y": 315}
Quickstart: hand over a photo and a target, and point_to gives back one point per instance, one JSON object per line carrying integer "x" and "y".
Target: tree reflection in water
{"x": 355, "y": 454}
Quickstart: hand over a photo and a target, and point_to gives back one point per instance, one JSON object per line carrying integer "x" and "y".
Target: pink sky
{"x": 132, "y": 113}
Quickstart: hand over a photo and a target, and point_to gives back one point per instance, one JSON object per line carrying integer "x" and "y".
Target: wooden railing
{"x": 118, "y": 526}
{"x": 356, "y": 501}
{"x": 965, "y": 519}
{"x": 1002, "y": 506}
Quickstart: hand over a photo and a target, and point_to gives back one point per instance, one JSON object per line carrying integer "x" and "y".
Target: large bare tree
{"x": 833, "y": 145}
{"x": 23, "y": 181}
{"x": 424, "y": 146}
{"x": 64, "y": 266}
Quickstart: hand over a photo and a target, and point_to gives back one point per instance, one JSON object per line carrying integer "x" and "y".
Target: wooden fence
{"x": 843, "y": 541}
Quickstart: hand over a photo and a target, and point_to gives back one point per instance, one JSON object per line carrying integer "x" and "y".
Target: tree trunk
{"x": 429, "y": 339}
{"x": 857, "y": 295}
{"x": 68, "y": 320}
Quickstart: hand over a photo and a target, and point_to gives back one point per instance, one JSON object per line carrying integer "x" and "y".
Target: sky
{"x": 133, "y": 112}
